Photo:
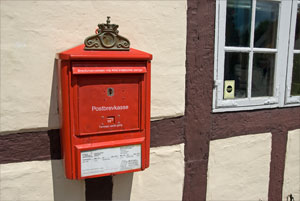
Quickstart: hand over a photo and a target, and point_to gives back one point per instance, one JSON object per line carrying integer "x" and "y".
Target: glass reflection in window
{"x": 295, "y": 91}
{"x": 297, "y": 34}
{"x": 238, "y": 23}
{"x": 263, "y": 74}
{"x": 266, "y": 20}
{"x": 236, "y": 68}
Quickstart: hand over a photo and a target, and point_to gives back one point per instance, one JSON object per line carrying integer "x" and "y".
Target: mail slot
{"x": 104, "y": 104}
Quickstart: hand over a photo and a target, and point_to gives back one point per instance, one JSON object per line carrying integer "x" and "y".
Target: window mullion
{"x": 251, "y": 49}
{"x": 250, "y": 75}
{"x": 237, "y": 49}
{"x": 296, "y": 51}
{"x": 264, "y": 50}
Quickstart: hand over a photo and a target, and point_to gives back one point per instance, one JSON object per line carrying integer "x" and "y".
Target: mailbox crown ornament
{"x": 107, "y": 38}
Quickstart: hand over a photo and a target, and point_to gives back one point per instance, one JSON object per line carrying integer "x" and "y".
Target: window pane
{"x": 238, "y": 23}
{"x": 236, "y": 68}
{"x": 296, "y": 76}
{"x": 263, "y": 74}
{"x": 266, "y": 20}
{"x": 297, "y": 34}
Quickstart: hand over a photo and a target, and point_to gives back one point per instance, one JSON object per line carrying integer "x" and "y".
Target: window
{"x": 257, "y": 54}
{"x": 293, "y": 74}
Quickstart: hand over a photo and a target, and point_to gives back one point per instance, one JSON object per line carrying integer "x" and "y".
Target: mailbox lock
{"x": 110, "y": 92}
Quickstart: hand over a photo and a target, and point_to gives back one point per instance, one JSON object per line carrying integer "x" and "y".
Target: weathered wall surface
{"x": 238, "y": 168}
{"x": 291, "y": 184}
{"x": 38, "y": 180}
{"x": 33, "y": 31}
{"x": 163, "y": 181}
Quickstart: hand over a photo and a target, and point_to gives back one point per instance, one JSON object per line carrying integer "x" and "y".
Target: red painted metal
{"x": 104, "y": 101}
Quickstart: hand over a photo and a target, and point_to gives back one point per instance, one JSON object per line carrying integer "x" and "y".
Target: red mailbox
{"x": 104, "y": 103}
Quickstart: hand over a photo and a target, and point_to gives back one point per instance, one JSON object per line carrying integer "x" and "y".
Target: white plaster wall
{"x": 162, "y": 181}
{"x": 238, "y": 168}
{"x": 33, "y": 31}
{"x": 291, "y": 183}
{"x": 38, "y": 181}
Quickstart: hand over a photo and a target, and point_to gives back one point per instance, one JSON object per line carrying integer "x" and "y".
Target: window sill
{"x": 251, "y": 108}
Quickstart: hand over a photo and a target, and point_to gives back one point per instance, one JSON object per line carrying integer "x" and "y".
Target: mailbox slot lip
{"x": 109, "y": 144}
{"x": 108, "y": 63}
{"x": 108, "y": 67}
{"x": 108, "y": 70}
{"x": 110, "y": 132}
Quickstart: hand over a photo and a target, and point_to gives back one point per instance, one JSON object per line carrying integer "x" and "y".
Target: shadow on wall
{"x": 98, "y": 189}
{"x": 53, "y": 119}
{"x": 63, "y": 189}
{"x": 122, "y": 187}
{"x": 66, "y": 189}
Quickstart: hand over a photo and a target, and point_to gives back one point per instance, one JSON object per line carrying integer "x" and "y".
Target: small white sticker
{"x": 229, "y": 86}
{"x": 108, "y": 160}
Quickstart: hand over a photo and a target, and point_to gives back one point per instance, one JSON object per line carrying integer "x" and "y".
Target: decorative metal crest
{"x": 107, "y": 38}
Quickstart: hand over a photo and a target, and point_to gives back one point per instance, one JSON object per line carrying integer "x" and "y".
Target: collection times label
{"x": 108, "y": 160}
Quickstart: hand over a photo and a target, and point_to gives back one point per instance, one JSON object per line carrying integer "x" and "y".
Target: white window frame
{"x": 280, "y": 71}
{"x": 292, "y": 100}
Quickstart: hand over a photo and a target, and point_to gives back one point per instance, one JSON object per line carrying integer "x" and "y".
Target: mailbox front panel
{"x": 108, "y": 103}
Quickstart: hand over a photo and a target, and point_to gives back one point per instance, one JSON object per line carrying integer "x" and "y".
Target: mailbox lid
{"x": 78, "y": 53}
{"x": 108, "y": 102}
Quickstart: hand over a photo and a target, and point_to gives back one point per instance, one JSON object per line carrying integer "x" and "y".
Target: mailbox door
{"x": 108, "y": 98}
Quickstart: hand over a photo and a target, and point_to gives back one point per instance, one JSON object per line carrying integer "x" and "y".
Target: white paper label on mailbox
{"x": 108, "y": 160}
